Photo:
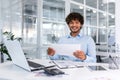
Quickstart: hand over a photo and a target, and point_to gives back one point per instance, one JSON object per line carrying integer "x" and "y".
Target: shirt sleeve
{"x": 54, "y": 57}
{"x": 91, "y": 51}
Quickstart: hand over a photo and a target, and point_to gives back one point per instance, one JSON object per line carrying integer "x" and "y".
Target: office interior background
{"x": 42, "y": 22}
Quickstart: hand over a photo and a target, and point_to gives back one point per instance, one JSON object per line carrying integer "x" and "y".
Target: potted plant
{"x": 9, "y": 36}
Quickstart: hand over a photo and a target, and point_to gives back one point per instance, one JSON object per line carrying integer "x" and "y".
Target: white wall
{"x": 117, "y": 32}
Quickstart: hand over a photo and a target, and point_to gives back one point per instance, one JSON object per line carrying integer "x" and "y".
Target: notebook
{"x": 18, "y": 58}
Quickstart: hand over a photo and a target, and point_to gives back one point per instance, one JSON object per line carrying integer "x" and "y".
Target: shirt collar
{"x": 79, "y": 35}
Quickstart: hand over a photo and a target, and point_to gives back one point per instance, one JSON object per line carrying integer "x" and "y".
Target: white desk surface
{"x": 9, "y": 71}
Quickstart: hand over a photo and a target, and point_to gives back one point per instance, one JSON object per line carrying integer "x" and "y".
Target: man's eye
{"x": 71, "y": 22}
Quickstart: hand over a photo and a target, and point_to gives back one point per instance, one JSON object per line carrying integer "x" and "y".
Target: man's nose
{"x": 74, "y": 24}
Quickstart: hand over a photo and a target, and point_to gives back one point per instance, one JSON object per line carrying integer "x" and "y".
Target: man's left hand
{"x": 80, "y": 54}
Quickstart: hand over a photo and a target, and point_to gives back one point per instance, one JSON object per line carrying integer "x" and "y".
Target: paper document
{"x": 66, "y": 49}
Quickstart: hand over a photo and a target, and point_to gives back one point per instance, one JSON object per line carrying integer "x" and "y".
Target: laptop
{"x": 18, "y": 58}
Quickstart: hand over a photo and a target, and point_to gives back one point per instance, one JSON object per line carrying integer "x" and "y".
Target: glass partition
{"x": 52, "y": 32}
{"x": 92, "y": 31}
{"x": 111, "y": 21}
{"x": 54, "y": 10}
{"x": 102, "y": 36}
{"x": 111, "y": 6}
{"x": 79, "y": 1}
{"x": 5, "y": 12}
{"x": 102, "y": 5}
{"x": 77, "y": 8}
{"x": 53, "y": 21}
{"x": 102, "y": 19}
{"x": 16, "y": 18}
{"x": 11, "y": 16}
{"x": 91, "y": 17}
{"x": 92, "y": 3}
{"x": 29, "y": 27}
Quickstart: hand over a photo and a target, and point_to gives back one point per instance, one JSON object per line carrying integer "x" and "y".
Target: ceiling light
{"x": 112, "y": 16}
{"x": 104, "y": 14}
{"x": 81, "y": 7}
{"x": 94, "y": 11}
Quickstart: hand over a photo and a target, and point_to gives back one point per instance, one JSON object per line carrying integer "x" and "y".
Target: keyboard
{"x": 35, "y": 65}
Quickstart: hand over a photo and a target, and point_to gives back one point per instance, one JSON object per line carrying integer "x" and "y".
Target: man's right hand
{"x": 50, "y": 51}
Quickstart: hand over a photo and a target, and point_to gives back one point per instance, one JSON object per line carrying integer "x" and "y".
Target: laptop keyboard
{"x": 35, "y": 65}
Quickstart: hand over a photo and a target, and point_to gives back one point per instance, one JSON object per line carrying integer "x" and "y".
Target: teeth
{"x": 74, "y": 28}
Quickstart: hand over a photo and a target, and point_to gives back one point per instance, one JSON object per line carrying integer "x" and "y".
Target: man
{"x": 87, "y": 53}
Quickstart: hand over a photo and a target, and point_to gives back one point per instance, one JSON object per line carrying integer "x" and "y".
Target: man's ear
{"x": 81, "y": 27}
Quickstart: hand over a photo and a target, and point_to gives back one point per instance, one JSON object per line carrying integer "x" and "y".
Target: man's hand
{"x": 80, "y": 54}
{"x": 50, "y": 51}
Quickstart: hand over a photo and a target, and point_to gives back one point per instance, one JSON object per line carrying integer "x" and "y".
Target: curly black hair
{"x": 74, "y": 16}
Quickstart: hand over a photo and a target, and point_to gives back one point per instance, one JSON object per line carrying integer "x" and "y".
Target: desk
{"x": 9, "y": 71}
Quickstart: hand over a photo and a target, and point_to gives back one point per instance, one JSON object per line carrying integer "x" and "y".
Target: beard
{"x": 75, "y": 31}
